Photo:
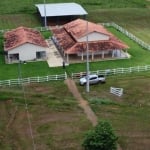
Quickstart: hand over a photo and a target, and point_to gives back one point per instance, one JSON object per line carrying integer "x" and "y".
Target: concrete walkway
{"x": 54, "y": 58}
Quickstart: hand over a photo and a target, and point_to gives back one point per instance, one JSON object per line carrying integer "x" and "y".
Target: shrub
{"x": 102, "y": 137}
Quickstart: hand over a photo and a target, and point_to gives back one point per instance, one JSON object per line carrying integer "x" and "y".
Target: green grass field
{"x": 135, "y": 20}
{"x": 129, "y": 114}
{"x": 139, "y": 56}
{"x": 56, "y": 119}
{"x": 133, "y": 15}
{"x": 58, "y": 123}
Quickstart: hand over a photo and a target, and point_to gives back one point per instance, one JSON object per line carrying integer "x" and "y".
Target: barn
{"x": 60, "y": 13}
{"x": 24, "y": 44}
{"x": 73, "y": 39}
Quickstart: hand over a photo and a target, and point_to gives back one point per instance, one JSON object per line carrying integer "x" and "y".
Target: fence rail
{"x": 128, "y": 34}
{"x": 113, "y": 71}
{"x": 29, "y": 80}
{"x": 116, "y": 91}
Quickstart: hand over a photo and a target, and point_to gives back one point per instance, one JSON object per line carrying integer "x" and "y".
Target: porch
{"x": 97, "y": 56}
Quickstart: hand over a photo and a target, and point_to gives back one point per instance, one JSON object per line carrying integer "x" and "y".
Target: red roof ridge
{"x": 68, "y": 36}
{"x": 22, "y": 35}
{"x": 79, "y": 28}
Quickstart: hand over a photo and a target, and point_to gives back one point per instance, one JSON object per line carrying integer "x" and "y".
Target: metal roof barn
{"x": 60, "y": 9}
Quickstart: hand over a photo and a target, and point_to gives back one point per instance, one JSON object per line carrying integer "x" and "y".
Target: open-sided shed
{"x": 60, "y": 13}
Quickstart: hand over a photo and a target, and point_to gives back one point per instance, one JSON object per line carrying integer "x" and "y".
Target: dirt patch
{"x": 40, "y": 89}
{"x": 82, "y": 103}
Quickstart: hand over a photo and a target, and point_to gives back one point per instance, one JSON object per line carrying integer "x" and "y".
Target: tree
{"x": 102, "y": 137}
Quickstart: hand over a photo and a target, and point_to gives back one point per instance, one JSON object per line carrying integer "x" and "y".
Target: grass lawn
{"x": 139, "y": 56}
{"x": 128, "y": 114}
{"x": 57, "y": 121}
{"x": 133, "y": 15}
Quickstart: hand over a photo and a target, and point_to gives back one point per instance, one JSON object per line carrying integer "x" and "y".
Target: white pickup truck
{"x": 93, "y": 79}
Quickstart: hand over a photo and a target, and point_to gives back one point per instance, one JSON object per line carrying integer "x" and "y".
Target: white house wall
{"x": 27, "y": 51}
{"x": 94, "y": 36}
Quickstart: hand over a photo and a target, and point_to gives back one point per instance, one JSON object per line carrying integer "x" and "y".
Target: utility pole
{"x": 45, "y": 19}
{"x": 87, "y": 59}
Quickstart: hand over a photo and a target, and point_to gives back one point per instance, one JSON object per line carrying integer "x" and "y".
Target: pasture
{"x": 56, "y": 119}
{"x": 30, "y": 69}
{"x": 129, "y": 114}
{"x": 51, "y": 104}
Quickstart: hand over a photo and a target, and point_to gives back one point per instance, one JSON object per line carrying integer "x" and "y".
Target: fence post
{"x": 47, "y": 78}
{"x": 28, "y": 79}
{"x": 130, "y": 69}
{"x": 9, "y": 82}
{"x": 65, "y": 75}
{"x": 38, "y": 79}
{"x": 138, "y": 68}
{"x": 146, "y": 67}
{"x": 122, "y": 70}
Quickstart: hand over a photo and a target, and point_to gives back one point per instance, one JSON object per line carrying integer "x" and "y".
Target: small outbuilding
{"x": 24, "y": 44}
{"x": 60, "y": 13}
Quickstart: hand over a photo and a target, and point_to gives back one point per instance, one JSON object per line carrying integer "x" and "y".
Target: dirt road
{"x": 82, "y": 103}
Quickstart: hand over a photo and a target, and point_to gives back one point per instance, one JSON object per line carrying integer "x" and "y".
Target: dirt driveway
{"x": 82, "y": 103}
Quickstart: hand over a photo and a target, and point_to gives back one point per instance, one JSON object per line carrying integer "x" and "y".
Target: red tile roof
{"x": 93, "y": 46}
{"x": 78, "y": 28}
{"x": 67, "y": 37}
{"x": 22, "y": 35}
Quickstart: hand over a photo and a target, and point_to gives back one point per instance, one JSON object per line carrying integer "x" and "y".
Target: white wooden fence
{"x": 116, "y": 91}
{"x": 29, "y": 80}
{"x": 130, "y": 35}
{"x": 113, "y": 71}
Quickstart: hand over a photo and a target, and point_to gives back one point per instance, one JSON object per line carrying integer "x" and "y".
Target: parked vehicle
{"x": 93, "y": 79}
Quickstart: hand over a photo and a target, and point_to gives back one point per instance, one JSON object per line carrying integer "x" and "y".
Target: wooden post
{"x": 82, "y": 56}
{"x": 102, "y": 54}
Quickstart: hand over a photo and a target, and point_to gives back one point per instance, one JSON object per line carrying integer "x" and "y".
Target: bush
{"x": 102, "y": 137}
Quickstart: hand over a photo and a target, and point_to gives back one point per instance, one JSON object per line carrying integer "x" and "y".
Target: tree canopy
{"x": 102, "y": 137}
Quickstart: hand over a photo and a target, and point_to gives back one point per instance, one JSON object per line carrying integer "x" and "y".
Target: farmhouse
{"x": 60, "y": 13}
{"x": 73, "y": 39}
{"x": 24, "y": 44}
